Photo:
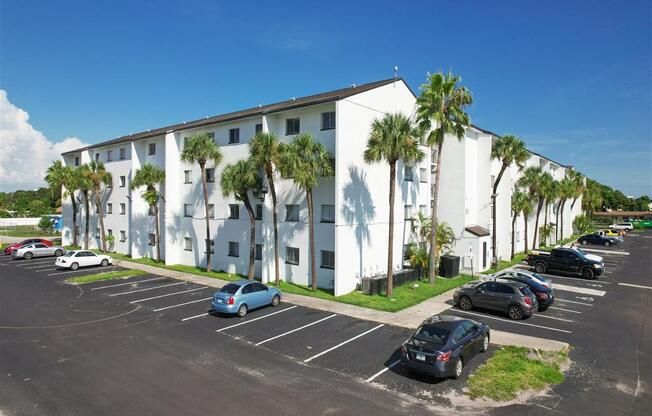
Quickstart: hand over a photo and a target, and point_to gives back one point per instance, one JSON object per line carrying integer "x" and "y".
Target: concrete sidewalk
{"x": 408, "y": 318}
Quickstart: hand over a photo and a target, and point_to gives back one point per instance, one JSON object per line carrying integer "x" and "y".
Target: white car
{"x": 524, "y": 274}
{"x": 622, "y": 226}
{"x": 82, "y": 258}
{"x": 593, "y": 257}
{"x": 29, "y": 251}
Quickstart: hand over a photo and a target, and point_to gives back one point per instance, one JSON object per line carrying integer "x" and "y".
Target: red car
{"x": 11, "y": 248}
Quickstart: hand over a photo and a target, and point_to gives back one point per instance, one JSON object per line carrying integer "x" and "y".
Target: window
{"x": 328, "y": 120}
{"x": 123, "y": 236}
{"x": 110, "y": 183}
{"x": 123, "y": 153}
{"x": 327, "y": 259}
{"x": 109, "y": 156}
{"x": 109, "y": 208}
{"x": 234, "y": 211}
{"x": 211, "y": 210}
{"x": 151, "y": 149}
{"x": 259, "y": 252}
{"x": 292, "y": 126}
{"x": 407, "y": 249}
{"x": 423, "y": 175}
{"x": 187, "y": 244}
{"x": 151, "y": 210}
{"x": 109, "y": 232}
{"x": 97, "y": 209}
{"x": 210, "y": 243}
{"x": 187, "y": 210}
{"x": 97, "y": 157}
{"x": 76, "y": 160}
{"x": 210, "y": 175}
{"x": 328, "y": 213}
{"x": 408, "y": 212}
{"x": 259, "y": 287}
{"x": 97, "y": 233}
{"x": 234, "y": 136}
{"x": 409, "y": 173}
{"x": 504, "y": 289}
{"x": 123, "y": 208}
{"x": 259, "y": 128}
{"x": 246, "y": 289}
{"x": 187, "y": 176}
{"x": 151, "y": 239}
{"x": 234, "y": 249}
{"x": 259, "y": 212}
{"x": 123, "y": 181}
{"x": 458, "y": 334}
{"x": 211, "y": 135}
{"x": 292, "y": 255}
{"x": 291, "y": 212}
{"x": 422, "y": 209}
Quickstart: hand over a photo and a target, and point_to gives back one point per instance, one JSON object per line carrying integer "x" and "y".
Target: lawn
{"x": 514, "y": 369}
{"x": 90, "y": 278}
{"x": 27, "y": 231}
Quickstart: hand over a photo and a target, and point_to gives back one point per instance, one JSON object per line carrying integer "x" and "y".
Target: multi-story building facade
{"x": 351, "y": 209}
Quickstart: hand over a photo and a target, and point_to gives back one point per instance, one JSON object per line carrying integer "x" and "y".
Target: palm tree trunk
{"x": 158, "y": 233}
{"x": 573, "y": 204}
{"x": 545, "y": 221}
{"x": 557, "y": 221}
{"x": 494, "y": 260}
{"x": 562, "y": 219}
{"x": 536, "y": 224}
{"x": 98, "y": 201}
{"x": 87, "y": 207}
{"x": 311, "y": 236}
{"x": 74, "y": 219}
{"x": 432, "y": 266}
{"x": 204, "y": 186}
{"x": 272, "y": 190}
{"x": 525, "y": 219}
{"x": 252, "y": 235}
{"x": 390, "y": 243}
{"x": 511, "y": 257}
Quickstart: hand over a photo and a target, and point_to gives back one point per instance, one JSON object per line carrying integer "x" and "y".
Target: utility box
{"x": 449, "y": 266}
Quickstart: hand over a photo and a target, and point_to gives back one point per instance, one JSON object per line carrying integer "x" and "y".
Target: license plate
{"x": 421, "y": 357}
{"x": 220, "y": 301}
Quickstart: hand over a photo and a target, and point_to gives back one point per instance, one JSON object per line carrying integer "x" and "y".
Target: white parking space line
{"x": 133, "y": 282}
{"x": 582, "y": 290}
{"x": 196, "y": 316}
{"x": 564, "y": 309}
{"x": 342, "y": 343}
{"x": 622, "y": 253}
{"x": 574, "y": 279}
{"x": 554, "y": 317}
{"x": 181, "y": 304}
{"x": 389, "y": 367}
{"x": 148, "y": 288}
{"x": 34, "y": 263}
{"x": 513, "y": 322}
{"x": 249, "y": 321}
{"x": 573, "y": 301}
{"x": 638, "y": 286}
{"x": 296, "y": 329}
{"x": 39, "y": 267}
{"x": 89, "y": 271}
{"x": 169, "y": 294}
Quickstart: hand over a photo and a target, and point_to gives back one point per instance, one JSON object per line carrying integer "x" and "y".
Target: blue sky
{"x": 573, "y": 79}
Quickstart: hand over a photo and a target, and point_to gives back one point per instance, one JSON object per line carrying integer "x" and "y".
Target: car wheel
{"x": 540, "y": 267}
{"x": 242, "y": 310}
{"x": 74, "y": 266}
{"x": 587, "y": 273}
{"x": 607, "y": 243}
{"x": 28, "y": 255}
{"x": 543, "y": 308}
{"x": 58, "y": 253}
{"x": 459, "y": 366}
{"x": 485, "y": 343}
{"x": 276, "y": 299}
{"x": 465, "y": 303}
{"x": 515, "y": 312}
{"x": 104, "y": 263}
{"x": 584, "y": 242}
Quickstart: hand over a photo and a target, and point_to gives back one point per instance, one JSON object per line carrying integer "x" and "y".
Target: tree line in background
{"x": 34, "y": 203}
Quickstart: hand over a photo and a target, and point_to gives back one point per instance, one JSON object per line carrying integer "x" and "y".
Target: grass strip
{"x": 512, "y": 370}
{"x": 90, "y": 278}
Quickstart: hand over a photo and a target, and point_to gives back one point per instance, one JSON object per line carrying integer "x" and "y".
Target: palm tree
{"x": 200, "y": 148}
{"x": 578, "y": 185}
{"x": 237, "y": 180}
{"x": 265, "y": 151}
{"x": 392, "y": 138}
{"x": 531, "y": 180}
{"x": 66, "y": 180}
{"x": 54, "y": 177}
{"x": 549, "y": 193}
{"x": 520, "y": 204}
{"x": 84, "y": 186}
{"x": 97, "y": 175}
{"x": 440, "y": 111}
{"x": 150, "y": 176}
{"x": 507, "y": 149}
{"x": 592, "y": 198}
{"x": 566, "y": 190}
{"x": 304, "y": 161}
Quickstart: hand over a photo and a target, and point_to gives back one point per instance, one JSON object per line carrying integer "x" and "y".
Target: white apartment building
{"x": 351, "y": 212}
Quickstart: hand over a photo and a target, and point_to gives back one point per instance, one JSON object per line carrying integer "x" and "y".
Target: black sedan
{"x": 545, "y": 295}
{"x": 442, "y": 345}
{"x": 596, "y": 239}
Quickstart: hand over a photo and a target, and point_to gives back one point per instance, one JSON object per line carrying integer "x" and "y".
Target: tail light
{"x": 542, "y": 296}
{"x": 444, "y": 356}
{"x": 231, "y": 300}
{"x": 527, "y": 300}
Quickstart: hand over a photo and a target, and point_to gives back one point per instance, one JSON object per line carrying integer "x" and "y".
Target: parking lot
{"x": 309, "y": 339}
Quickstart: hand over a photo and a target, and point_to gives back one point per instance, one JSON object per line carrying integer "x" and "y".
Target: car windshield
{"x": 230, "y": 289}
{"x": 433, "y": 334}
{"x": 69, "y": 254}
{"x": 526, "y": 291}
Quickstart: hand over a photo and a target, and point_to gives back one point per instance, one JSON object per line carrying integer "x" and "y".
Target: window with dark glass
{"x": 259, "y": 252}
{"x": 328, "y": 213}
{"x": 292, "y": 255}
{"x": 234, "y": 136}
{"x": 234, "y": 211}
{"x": 409, "y": 173}
{"x": 151, "y": 239}
{"x": 259, "y": 212}
{"x": 187, "y": 210}
{"x": 292, "y": 212}
{"x": 109, "y": 156}
{"x": 187, "y": 176}
{"x": 234, "y": 249}
{"x": 187, "y": 244}
{"x": 328, "y": 120}
{"x": 292, "y": 126}
{"x": 151, "y": 149}
{"x": 259, "y": 128}
{"x": 210, "y": 175}
{"x": 210, "y": 243}
{"x": 327, "y": 259}
{"x": 123, "y": 153}
{"x": 123, "y": 208}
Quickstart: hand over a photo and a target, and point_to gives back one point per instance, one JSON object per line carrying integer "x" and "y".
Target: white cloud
{"x": 25, "y": 153}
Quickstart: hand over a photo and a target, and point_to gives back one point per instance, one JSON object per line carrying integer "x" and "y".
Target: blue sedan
{"x": 241, "y": 296}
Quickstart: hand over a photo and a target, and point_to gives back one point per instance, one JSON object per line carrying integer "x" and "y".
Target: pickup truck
{"x": 565, "y": 260}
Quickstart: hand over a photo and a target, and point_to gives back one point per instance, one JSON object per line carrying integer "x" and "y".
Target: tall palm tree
{"x": 566, "y": 190}
{"x": 54, "y": 177}
{"x": 84, "y": 186}
{"x": 509, "y": 150}
{"x": 65, "y": 179}
{"x": 441, "y": 111}
{"x": 237, "y": 180}
{"x": 98, "y": 177}
{"x": 531, "y": 180}
{"x": 151, "y": 176}
{"x": 304, "y": 161}
{"x": 265, "y": 151}
{"x": 592, "y": 198}
{"x": 578, "y": 185}
{"x": 520, "y": 204}
{"x": 200, "y": 148}
{"x": 392, "y": 138}
{"x": 549, "y": 194}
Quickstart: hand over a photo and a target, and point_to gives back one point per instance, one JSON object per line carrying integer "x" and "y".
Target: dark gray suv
{"x": 513, "y": 298}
